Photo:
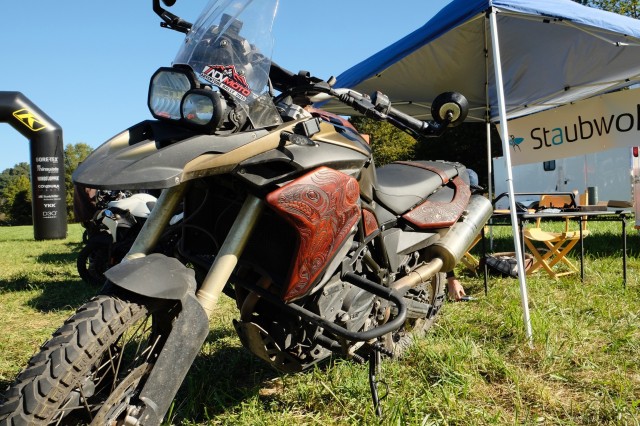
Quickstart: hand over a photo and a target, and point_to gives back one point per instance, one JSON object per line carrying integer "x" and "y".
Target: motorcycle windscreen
{"x": 230, "y": 47}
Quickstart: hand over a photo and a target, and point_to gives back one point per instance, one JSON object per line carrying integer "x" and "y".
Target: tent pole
{"x": 489, "y": 169}
{"x": 489, "y": 162}
{"x": 493, "y": 25}
{"x": 487, "y": 122}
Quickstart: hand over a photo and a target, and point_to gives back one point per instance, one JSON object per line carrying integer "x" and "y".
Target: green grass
{"x": 475, "y": 367}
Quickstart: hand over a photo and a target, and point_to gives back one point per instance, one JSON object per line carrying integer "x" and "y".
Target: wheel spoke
{"x": 85, "y": 404}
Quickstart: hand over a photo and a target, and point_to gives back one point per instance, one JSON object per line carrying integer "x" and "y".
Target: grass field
{"x": 475, "y": 367}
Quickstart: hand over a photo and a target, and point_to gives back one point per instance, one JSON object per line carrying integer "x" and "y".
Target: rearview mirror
{"x": 450, "y": 107}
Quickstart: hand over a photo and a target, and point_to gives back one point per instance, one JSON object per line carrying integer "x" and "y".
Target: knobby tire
{"x": 75, "y": 368}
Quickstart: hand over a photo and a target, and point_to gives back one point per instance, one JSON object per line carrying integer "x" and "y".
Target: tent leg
{"x": 497, "y": 65}
{"x": 489, "y": 173}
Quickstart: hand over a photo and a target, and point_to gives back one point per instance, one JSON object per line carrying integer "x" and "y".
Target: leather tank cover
{"x": 323, "y": 207}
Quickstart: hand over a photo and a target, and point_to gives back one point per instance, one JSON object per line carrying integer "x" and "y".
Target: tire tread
{"x": 63, "y": 360}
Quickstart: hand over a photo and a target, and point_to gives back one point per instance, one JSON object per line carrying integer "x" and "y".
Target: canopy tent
{"x": 509, "y": 58}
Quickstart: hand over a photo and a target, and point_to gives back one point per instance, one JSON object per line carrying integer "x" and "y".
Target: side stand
{"x": 374, "y": 369}
{"x": 374, "y": 364}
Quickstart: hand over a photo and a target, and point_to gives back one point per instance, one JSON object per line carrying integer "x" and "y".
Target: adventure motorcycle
{"x": 110, "y": 234}
{"x": 94, "y": 201}
{"x": 112, "y": 231}
{"x": 284, "y": 211}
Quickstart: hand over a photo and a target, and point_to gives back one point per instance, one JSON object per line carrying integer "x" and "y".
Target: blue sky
{"x": 87, "y": 64}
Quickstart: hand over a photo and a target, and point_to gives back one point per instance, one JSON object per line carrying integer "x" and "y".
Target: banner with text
{"x": 597, "y": 124}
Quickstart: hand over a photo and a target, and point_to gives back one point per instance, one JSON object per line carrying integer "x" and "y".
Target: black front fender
{"x": 156, "y": 276}
{"x": 161, "y": 277}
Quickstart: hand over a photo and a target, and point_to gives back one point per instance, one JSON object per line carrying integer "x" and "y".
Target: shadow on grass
{"x": 57, "y": 258}
{"x": 228, "y": 377}
{"x": 53, "y": 295}
{"x": 221, "y": 380}
{"x": 68, "y": 256}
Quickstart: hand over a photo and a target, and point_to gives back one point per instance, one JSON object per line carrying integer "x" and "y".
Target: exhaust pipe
{"x": 455, "y": 243}
{"x": 449, "y": 249}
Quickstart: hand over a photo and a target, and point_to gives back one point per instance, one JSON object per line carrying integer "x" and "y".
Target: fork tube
{"x": 227, "y": 257}
{"x": 156, "y": 222}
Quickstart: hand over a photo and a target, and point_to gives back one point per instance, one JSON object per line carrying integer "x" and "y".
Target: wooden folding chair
{"x": 556, "y": 244}
{"x": 469, "y": 260}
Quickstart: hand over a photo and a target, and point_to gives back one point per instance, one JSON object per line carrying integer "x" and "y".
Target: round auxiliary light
{"x": 203, "y": 109}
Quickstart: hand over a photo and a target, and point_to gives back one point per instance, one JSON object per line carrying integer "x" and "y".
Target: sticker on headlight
{"x": 226, "y": 77}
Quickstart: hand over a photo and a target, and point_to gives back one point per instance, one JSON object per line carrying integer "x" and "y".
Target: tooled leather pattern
{"x": 370, "y": 222}
{"x": 322, "y": 206}
{"x": 437, "y": 214}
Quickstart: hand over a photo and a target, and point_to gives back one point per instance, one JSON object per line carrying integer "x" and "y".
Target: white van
{"x": 611, "y": 173}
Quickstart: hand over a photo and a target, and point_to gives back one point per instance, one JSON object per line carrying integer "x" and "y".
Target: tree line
{"x": 629, "y": 8}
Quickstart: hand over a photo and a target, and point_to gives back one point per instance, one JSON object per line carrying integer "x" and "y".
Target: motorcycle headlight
{"x": 203, "y": 109}
{"x": 166, "y": 90}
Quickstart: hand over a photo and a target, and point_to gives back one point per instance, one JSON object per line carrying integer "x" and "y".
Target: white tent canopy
{"x": 553, "y": 52}
{"x": 509, "y": 58}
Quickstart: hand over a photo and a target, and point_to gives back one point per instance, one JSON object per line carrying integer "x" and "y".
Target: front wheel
{"x": 94, "y": 366}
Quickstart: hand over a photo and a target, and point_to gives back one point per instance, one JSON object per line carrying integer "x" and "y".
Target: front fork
{"x": 157, "y": 221}
{"x": 191, "y": 327}
{"x": 227, "y": 257}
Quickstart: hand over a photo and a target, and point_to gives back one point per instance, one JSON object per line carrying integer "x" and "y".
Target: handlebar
{"x": 382, "y": 103}
{"x": 379, "y": 107}
{"x": 448, "y": 109}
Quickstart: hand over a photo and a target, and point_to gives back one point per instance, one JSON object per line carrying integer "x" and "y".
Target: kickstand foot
{"x": 374, "y": 369}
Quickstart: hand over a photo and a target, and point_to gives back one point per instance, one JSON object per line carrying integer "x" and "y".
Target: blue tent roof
{"x": 553, "y": 52}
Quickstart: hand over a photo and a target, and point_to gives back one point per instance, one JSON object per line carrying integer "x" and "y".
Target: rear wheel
{"x": 92, "y": 368}
{"x": 418, "y": 321}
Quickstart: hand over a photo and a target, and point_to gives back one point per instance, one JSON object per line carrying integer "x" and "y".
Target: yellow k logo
{"x": 27, "y": 118}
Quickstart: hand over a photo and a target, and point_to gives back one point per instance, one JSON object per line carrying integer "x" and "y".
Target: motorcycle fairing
{"x": 151, "y": 155}
{"x": 145, "y": 156}
{"x": 323, "y": 207}
{"x": 326, "y": 147}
